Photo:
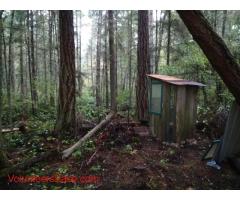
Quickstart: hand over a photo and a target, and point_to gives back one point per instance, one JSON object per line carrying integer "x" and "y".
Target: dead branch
{"x": 101, "y": 125}
{"x": 92, "y": 156}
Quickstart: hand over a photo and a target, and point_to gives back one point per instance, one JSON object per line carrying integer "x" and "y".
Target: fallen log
{"x": 8, "y": 130}
{"x": 101, "y": 125}
{"x": 27, "y": 163}
{"x": 21, "y": 127}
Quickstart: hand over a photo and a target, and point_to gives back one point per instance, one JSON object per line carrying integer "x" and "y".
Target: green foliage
{"x": 87, "y": 148}
{"x": 87, "y": 107}
{"x": 77, "y": 154}
{"x": 63, "y": 169}
{"x": 15, "y": 139}
{"x": 172, "y": 152}
{"x": 163, "y": 162}
{"x": 127, "y": 149}
{"x": 96, "y": 168}
{"x": 89, "y": 145}
{"x": 122, "y": 98}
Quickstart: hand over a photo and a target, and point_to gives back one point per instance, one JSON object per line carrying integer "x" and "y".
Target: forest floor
{"x": 121, "y": 158}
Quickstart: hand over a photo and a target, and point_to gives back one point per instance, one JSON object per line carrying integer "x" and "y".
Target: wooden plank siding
{"x": 176, "y": 122}
{"x": 186, "y": 111}
{"x": 180, "y": 113}
{"x": 191, "y": 110}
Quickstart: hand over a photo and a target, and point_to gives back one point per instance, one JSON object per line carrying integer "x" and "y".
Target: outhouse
{"x": 172, "y": 107}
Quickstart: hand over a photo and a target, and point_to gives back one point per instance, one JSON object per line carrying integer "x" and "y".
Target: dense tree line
{"x": 45, "y": 70}
{"x": 47, "y": 76}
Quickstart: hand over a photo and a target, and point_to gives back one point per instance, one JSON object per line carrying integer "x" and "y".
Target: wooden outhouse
{"x": 172, "y": 107}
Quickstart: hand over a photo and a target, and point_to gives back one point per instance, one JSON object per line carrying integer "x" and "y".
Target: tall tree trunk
{"x": 67, "y": 87}
{"x": 28, "y": 41}
{"x": 106, "y": 64}
{"x": 78, "y": 51}
{"x": 50, "y": 43}
{"x": 151, "y": 45}
{"x": 130, "y": 56}
{"x": 169, "y": 37}
{"x": 35, "y": 35}
{"x": 56, "y": 52}
{"x": 156, "y": 40}
{"x": 116, "y": 51}
{"x": 45, "y": 62}
{"x": 10, "y": 54}
{"x": 11, "y": 77}
{"x": 160, "y": 39}
{"x": 33, "y": 66}
{"x": 112, "y": 61}
{"x": 142, "y": 66}
{"x": 22, "y": 68}
{"x": 224, "y": 23}
{"x": 215, "y": 50}
{"x": 3, "y": 158}
{"x": 215, "y": 20}
{"x": 5, "y": 65}
{"x": 76, "y": 34}
{"x": 91, "y": 65}
{"x": 99, "y": 28}
{"x": 80, "y": 81}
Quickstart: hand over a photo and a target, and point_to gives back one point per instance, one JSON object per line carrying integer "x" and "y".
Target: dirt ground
{"x": 122, "y": 159}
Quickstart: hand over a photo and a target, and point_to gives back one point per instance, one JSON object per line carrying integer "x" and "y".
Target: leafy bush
{"x": 87, "y": 107}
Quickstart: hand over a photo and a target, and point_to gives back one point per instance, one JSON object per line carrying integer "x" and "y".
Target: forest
{"x": 119, "y": 99}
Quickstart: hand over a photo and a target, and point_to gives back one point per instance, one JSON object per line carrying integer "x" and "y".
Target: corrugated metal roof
{"x": 175, "y": 81}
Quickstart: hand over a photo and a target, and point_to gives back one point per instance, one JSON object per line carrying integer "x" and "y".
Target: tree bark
{"x": 99, "y": 29}
{"x": 50, "y": 43}
{"x": 157, "y": 23}
{"x": 33, "y": 66}
{"x": 3, "y": 159}
{"x": 106, "y": 64}
{"x": 159, "y": 41}
{"x": 151, "y": 45}
{"x": 143, "y": 68}
{"x": 67, "y": 87}
{"x": 113, "y": 81}
{"x": 10, "y": 78}
{"x": 224, "y": 23}
{"x": 91, "y": 65}
{"x": 116, "y": 38}
{"x": 130, "y": 58}
{"x": 215, "y": 50}
{"x": 78, "y": 51}
{"x": 30, "y": 63}
{"x": 80, "y": 81}
{"x": 10, "y": 54}
{"x": 29, "y": 57}
{"x": 45, "y": 62}
{"x": 21, "y": 65}
{"x": 169, "y": 37}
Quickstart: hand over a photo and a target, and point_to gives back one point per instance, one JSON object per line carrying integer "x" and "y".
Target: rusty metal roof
{"x": 175, "y": 81}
